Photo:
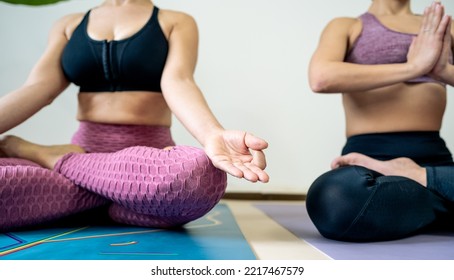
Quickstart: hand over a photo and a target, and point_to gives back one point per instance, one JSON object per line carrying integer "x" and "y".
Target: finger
{"x": 437, "y": 15}
{"x": 229, "y": 168}
{"x": 248, "y": 174}
{"x": 262, "y": 175}
{"x": 258, "y": 159}
{"x": 447, "y": 25}
{"x": 425, "y": 20}
{"x": 443, "y": 26}
{"x": 431, "y": 15}
{"x": 431, "y": 18}
{"x": 254, "y": 142}
{"x": 447, "y": 41}
{"x": 448, "y": 35}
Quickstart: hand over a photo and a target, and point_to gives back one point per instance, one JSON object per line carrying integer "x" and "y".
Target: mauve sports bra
{"x": 132, "y": 64}
{"x": 378, "y": 44}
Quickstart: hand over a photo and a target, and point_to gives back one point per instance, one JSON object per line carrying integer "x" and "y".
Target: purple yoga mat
{"x": 427, "y": 246}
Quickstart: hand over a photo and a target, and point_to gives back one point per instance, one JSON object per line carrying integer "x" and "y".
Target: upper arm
{"x": 335, "y": 40}
{"x": 333, "y": 46}
{"x": 47, "y": 72}
{"x": 183, "y": 50}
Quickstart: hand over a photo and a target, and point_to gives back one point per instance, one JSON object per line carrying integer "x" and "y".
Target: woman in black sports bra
{"x": 395, "y": 176}
{"x": 134, "y": 65}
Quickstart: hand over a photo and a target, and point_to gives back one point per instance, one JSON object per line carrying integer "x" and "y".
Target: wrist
{"x": 446, "y": 75}
{"x": 211, "y": 133}
{"x": 414, "y": 70}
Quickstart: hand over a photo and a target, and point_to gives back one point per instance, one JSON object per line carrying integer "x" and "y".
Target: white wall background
{"x": 254, "y": 56}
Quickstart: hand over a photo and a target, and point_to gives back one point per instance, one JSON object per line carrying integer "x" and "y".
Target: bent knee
{"x": 337, "y": 199}
{"x": 180, "y": 174}
{"x": 196, "y": 163}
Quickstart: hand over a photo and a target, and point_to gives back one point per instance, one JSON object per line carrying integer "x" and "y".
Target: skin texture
{"x": 375, "y": 97}
{"x": 237, "y": 152}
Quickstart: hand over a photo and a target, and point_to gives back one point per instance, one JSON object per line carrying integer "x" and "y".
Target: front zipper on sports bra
{"x": 108, "y": 63}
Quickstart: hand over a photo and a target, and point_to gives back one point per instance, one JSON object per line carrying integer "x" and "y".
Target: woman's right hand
{"x": 441, "y": 70}
{"x": 427, "y": 46}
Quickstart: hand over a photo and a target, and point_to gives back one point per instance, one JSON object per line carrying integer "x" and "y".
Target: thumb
{"x": 254, "y": 142}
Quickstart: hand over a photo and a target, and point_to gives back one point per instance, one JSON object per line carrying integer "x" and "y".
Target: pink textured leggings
{"x": 125, "y": 166}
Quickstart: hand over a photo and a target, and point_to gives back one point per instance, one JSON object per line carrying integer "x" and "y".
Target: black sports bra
{"x": 132, "y": 64}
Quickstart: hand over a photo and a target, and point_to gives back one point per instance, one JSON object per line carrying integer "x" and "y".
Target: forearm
{"x": 19, "y": 105}
{"x": 340, "y": 77}
{"x": 448, "y": 76}
{"x": 191, "y": 109}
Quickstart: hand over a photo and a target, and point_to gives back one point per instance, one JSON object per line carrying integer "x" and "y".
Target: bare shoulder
{"x": 345, "y": 29}
{"x": 345, "y": 24}
{"x": 176, "y": 18}
{"x": 66, "y": 24}
{"x": 175, "y": 22}
{"x": 344, "y": 21}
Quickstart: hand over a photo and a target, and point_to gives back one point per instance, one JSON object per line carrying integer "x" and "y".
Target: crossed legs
{"x": 363, "y": 199}
{"x": 149, "y": 186}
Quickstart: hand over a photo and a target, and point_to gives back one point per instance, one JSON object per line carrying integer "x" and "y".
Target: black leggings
{"x": 357, "y": 204}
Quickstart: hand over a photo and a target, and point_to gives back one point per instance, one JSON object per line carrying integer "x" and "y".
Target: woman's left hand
{"x": 238, "y": 153}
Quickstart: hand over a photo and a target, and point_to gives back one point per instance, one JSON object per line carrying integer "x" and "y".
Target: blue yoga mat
{"x": 216, "y": 236}
{"x": 427, "y": 246}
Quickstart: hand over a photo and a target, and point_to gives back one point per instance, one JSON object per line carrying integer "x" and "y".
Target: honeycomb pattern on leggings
{"x": 30, "y": 194}
{"x": 17, "y": 162}
{"x": 191, "y": 186}
{"x": 176, "y": 185}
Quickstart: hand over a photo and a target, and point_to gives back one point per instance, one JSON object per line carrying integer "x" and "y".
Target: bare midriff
{"x": 400, "y": 107}
{"x": 127, "y": 107}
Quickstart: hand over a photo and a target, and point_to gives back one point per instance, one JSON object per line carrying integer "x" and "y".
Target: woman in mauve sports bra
{"x": 395, "y": 176}
{"x": 134, "y": 65}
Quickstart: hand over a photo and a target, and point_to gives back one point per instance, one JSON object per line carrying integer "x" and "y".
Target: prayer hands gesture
{"x": 430, "y": 52}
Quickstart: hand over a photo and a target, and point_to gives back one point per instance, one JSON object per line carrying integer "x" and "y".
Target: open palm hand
{"x": 238, "y": 153}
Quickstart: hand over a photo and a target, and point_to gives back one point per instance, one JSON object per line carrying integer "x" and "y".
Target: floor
{"x": 258, "y": 229}
{"x": 235, "y": 224}
{"x": 236, "y": 229}
{"x": 268, "y": 239}
{"x": 282, "y": 230}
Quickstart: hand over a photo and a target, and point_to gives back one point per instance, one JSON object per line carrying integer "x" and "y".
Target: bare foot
{"x": 396, "y": 167}
{"x": 46, "y": 156}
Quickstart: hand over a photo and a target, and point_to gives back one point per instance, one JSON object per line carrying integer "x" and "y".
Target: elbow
{"x": 53, "y": 93}
{"x": 325, "y": 78}
{"x": 319, "y": 83}
{"x": 49, "y": 101}
{"x": 317, "y": 86}
{"x": 166, "y": 84}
